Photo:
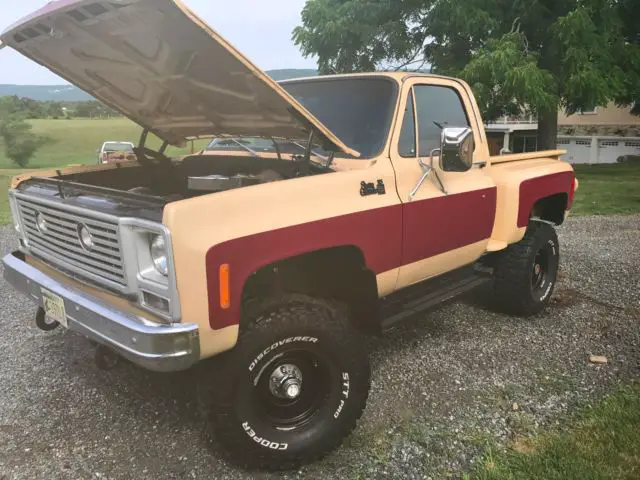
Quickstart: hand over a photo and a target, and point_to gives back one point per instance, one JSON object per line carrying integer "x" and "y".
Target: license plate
{"x": 54, "y": 307}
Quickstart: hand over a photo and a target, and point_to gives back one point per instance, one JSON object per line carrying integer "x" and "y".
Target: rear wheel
{"x": 292, "y": 389}
{"x": 526, "y": 272}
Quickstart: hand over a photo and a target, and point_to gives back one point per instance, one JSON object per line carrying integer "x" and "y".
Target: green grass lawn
{"x": 602, "y": 442}
{"x": 5, "y": 179}
{"x": 77, "y": 140}
{"x": 607, "y": 189}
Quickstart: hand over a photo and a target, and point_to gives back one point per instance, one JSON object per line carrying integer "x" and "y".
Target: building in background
{"x": 513, "y": 134}
{"x": 602, "y": 135}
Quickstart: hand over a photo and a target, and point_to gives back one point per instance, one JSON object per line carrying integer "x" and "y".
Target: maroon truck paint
{"x": 442, "y": 224}
{"x": 378, "y": 234}
{"x": 538, "y": 188}
{"x": 430, "y": 227}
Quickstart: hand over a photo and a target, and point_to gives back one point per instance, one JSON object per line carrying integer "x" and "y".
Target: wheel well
{"x": 338, "y": 273}
{"x": 551, "y": 208}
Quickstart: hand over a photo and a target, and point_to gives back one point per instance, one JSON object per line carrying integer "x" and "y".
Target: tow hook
{"x": 44, "y": 323}
{"x": 105, "y": 358}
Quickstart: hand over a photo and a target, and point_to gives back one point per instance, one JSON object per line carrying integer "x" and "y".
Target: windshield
{"x": 357, "y": 110}
{"x": 118, "y": 147}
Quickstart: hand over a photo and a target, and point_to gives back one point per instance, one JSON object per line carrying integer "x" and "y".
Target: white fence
{"x": 598, "y": 149}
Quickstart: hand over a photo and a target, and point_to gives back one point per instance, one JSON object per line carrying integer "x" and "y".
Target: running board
{"x": 429, "y": 294}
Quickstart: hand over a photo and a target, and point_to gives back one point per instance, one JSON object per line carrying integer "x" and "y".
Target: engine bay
{"x": 143, "y": 190}
{"x": 196, "y": 175}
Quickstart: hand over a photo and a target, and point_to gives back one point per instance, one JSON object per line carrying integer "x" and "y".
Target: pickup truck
{"x": 278, "y": 264}
{"x": 116, "y": 151}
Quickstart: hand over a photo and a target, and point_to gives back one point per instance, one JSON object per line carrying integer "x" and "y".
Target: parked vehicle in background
{"x": 116, "y": 152}
{"x": 276, "y": 256}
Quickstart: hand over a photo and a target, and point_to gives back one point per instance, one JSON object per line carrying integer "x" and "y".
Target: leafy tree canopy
{"x": 20, "y": 143}
{"x": 535, "y": 55}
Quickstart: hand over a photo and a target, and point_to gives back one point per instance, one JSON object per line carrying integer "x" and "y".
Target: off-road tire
{"x": 515, "y": 290}
{"x": 276, "y": 332}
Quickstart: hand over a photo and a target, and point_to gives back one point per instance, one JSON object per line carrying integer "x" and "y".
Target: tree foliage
{"x": 535, "y": 55}
{"x": 35, "y": 109}
{"x": 20, "y": 143}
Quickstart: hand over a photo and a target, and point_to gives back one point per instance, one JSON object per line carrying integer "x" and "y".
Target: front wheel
{"x": 292, "y": 389}
{"x": 526, "y": 272}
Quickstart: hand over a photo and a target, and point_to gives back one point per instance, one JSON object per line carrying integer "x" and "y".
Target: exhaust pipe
{"x": 43, "y": 323}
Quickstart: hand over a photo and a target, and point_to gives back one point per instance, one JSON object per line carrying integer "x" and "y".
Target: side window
{"x": 407, "y": 144}
{"x": 438, "y": 107}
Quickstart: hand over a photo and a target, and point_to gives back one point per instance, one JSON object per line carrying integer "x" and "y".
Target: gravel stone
{"x": 444, "y": 384}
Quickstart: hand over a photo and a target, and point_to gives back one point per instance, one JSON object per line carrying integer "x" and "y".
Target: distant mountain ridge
{"x": 70, "y": 93}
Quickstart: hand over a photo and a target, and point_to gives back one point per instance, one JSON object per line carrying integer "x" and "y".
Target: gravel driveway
{"x": 444, "y": 386}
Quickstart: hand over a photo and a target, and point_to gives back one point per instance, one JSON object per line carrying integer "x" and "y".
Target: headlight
{"x": 158, "y": 249}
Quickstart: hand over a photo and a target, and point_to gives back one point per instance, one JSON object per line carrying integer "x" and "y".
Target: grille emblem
{"x": 41, "y": 223}
{"x": 85, "y": 237}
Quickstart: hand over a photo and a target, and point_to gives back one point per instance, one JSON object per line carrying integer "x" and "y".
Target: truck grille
{"x": 54, "y": 234}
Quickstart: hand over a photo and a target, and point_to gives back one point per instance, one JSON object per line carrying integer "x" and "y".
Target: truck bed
{"x": 516, "y": 157}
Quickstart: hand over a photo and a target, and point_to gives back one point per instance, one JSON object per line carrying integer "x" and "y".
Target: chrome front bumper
{"x": 158, "y": 347}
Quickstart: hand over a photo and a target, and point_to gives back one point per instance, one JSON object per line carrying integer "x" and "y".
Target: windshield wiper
{"x": 322, "y": 157}
{"x": 247, "y": 148}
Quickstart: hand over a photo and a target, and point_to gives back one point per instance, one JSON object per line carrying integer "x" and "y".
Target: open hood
{"x": 160, "y": 65}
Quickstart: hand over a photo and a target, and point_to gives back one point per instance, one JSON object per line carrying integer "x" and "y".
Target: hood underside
{"x": 160, "y": 65}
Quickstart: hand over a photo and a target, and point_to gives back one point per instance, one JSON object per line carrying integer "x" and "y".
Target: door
{"x": 446, "y": 223}
{"x": 496, "y": 143}
{"x": 578, "y": 150}
{"x": 609, "y": 151}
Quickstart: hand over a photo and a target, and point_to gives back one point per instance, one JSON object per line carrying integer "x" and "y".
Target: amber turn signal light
{"x": 225, "y": 292}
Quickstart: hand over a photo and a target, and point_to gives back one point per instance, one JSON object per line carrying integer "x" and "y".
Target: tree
{"x": 54, "y": 110}
{"x": 20, "y": 143}
{"x": 85, "y": 109}
{"x": 93, "y": 108}
{"x": 518, "y": 55}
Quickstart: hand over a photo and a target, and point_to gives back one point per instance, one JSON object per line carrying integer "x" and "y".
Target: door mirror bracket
{"x": 427, "y": 168}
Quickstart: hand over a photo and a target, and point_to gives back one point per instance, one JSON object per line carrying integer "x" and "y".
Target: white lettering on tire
{"x": 263, "y": 442}
{"x": 277, "y": 344}
{"x": 546, "y": 293}
{"x": 345, "y": 393}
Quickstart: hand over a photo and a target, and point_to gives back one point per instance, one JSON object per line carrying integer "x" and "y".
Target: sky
{"x": 261, "y": 29}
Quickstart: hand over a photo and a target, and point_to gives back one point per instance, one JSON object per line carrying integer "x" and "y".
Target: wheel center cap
{"x": 293, "y": 390}
{"x": 286, "y": 382}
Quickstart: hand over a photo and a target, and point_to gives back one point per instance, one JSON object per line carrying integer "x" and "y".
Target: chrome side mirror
{"x": 456, "y": 151}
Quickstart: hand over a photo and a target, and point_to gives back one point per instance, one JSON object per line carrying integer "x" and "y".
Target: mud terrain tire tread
{"x": 512, "y": 285}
